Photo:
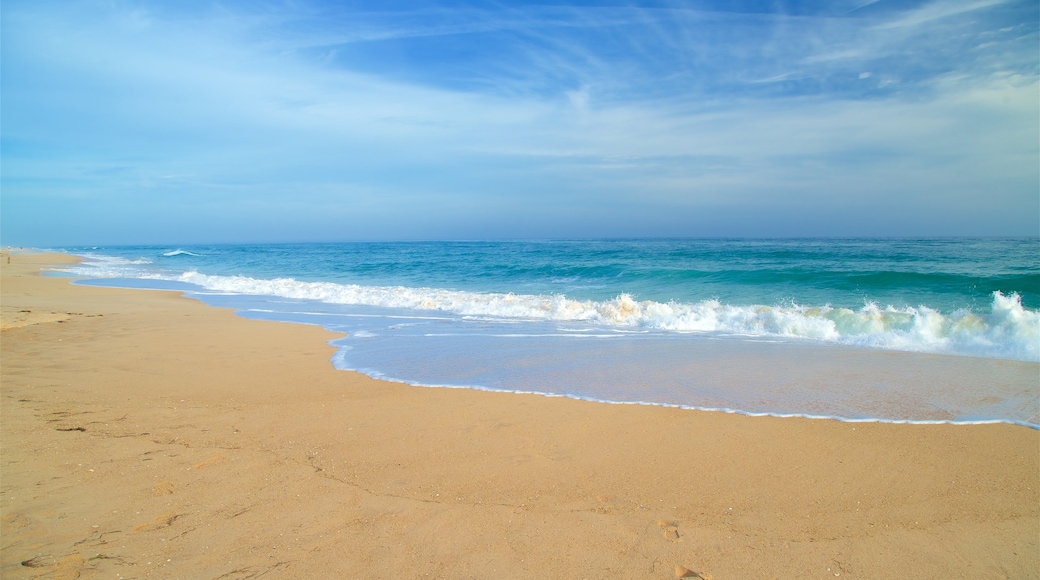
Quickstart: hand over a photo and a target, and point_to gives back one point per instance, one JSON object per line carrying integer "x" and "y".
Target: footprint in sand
{"x": 208, "y": 462}
{"x": 69, "y": 567}
{"x": 162, "y": 488}
{"x": 160, "y": 522}
{"x": 16, "y": 520}
{"x": 669, "y": 529}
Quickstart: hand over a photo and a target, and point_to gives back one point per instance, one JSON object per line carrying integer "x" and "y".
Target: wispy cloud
{"x": 936, "y": 10}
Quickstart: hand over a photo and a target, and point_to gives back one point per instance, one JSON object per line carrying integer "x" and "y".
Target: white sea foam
{"x": 1008, "y": 330}
{"x": 100, "y": 266}
{"x": 173, "y": 253}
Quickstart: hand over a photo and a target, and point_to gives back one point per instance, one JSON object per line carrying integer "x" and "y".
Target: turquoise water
{"x": 752, "y": 326}
{"x": 945, "y": 274}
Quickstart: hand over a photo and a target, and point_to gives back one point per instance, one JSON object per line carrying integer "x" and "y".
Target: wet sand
{"x": 147, "y": 435}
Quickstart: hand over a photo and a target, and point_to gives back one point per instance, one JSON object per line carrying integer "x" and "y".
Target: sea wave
{"x": 173, "y": 253}
{"x": 98, "y": 265}
{"x": 1007, "y": 330}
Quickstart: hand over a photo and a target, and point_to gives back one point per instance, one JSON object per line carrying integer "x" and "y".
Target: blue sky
{"x": 180, "y": 122}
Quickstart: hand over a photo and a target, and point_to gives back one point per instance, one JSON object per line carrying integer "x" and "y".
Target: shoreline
{"x": 379, "y": 376}
{"x": 205, "y": 428}
{"x": 75, "y": 280}
{"x": 696, "y": 372}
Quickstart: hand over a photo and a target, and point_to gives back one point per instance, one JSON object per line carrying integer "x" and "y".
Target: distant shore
{"x": 145, "y": 435}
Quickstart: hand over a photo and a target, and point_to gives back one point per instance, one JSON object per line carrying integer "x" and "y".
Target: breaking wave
{"x": 1007, "y": 330}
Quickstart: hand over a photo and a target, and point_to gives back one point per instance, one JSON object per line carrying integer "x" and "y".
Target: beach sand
{"x": 145, "y": 435}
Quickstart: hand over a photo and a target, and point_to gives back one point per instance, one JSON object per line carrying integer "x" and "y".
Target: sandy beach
{"x": 145, "y": 435}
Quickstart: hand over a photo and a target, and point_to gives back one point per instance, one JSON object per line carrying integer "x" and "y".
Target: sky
{"x": 134, "y": 122}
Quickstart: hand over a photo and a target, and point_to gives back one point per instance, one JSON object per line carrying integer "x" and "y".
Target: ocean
{"x": 901, "y": 330}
